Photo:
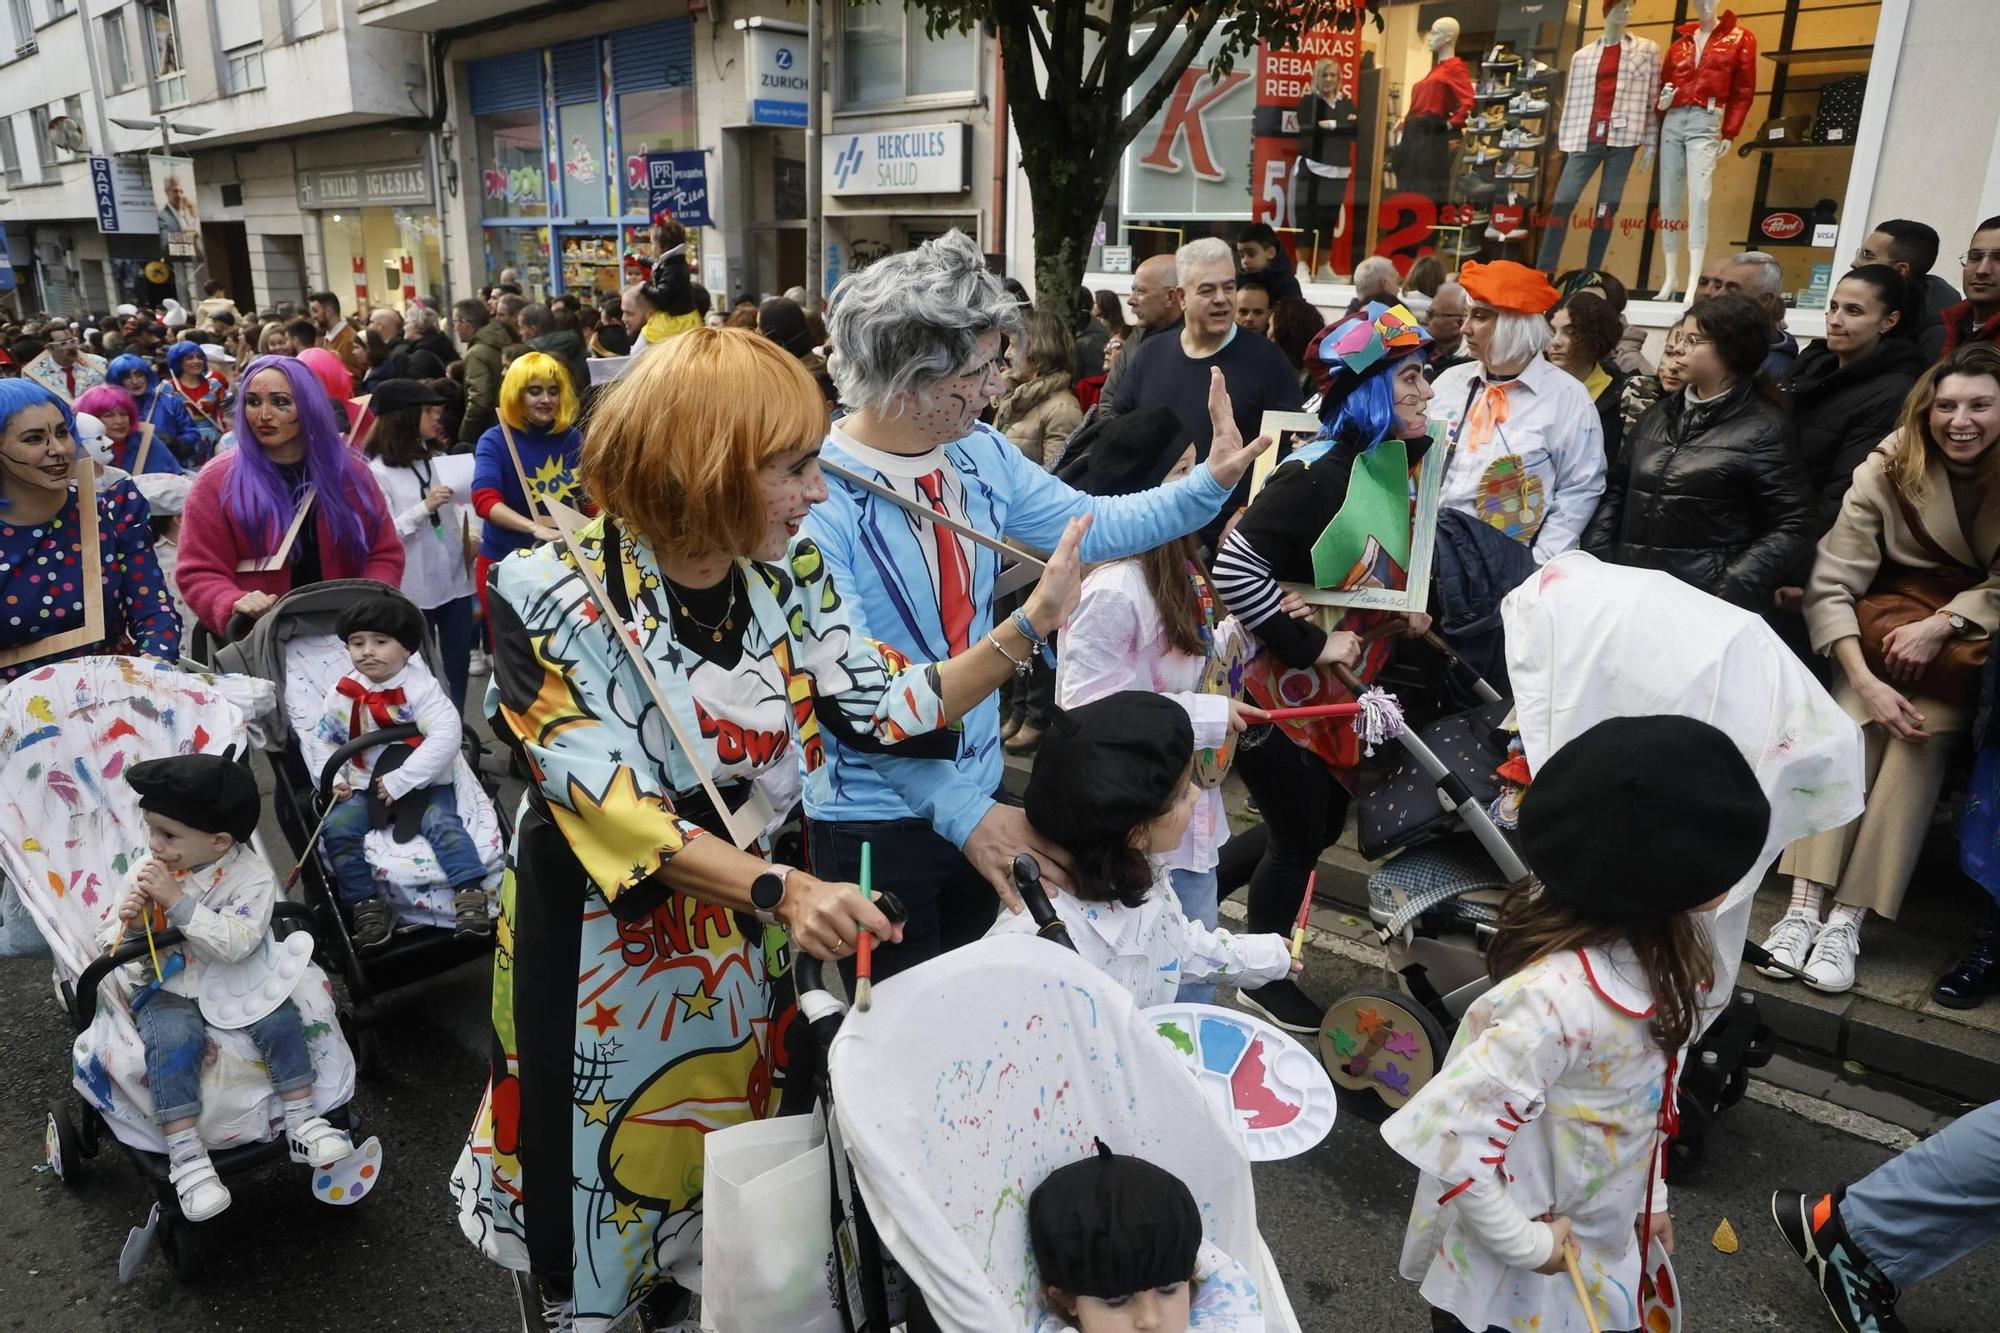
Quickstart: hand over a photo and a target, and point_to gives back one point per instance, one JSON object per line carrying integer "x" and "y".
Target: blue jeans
{"x": 452, "y": 624}
{"x": 1923, "y": 1211}
{"x": 1690, "y": 143}
{"x": 1577, "y": 170}
{"x": 1196, "y": 890}
{"x": 349, "y": 823}
{"x": 175, "y": 1038}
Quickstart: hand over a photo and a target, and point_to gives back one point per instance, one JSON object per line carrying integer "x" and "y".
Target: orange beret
{"x": 1506, "y": 285}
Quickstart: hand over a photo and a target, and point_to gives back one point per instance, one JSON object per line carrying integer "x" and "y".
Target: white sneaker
{"x": 1524, "y": 105}
{"x": 200, "y": 1190}
{"x": 1830, "y": 967}
{"x": 479, "y": 663}
{"x": 316, "y": 1143}
{"x": 1791, "y": 941}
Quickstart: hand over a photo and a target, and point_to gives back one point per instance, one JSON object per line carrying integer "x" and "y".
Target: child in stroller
{"x": 203, "y": 878}
{"x": 409, "y": 784}
{"x": 1114, "y": 786}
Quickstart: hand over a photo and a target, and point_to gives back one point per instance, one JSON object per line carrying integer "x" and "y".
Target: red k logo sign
{"x": 1183, "y": 116}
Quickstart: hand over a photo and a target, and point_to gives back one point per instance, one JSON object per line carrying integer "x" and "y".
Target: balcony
{"x": 436, "y": 15}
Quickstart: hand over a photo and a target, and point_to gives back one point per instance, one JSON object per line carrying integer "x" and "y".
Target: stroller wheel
{"x": 361, "y": 1041}
{"x": 1382, "y": 1046}
{"x": 64, "y": 1147}
{"x": 180, "y": 1241}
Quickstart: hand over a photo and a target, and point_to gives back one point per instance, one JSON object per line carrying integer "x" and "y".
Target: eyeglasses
{"x": 1976, "y": 258}
{"x": 66, "y": 344}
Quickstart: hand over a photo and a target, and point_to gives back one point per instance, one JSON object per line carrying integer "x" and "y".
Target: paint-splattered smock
{"x": 1552, "y": 1092}
{"x": 41, "y": 582}
{"x": 629, "y": 1019}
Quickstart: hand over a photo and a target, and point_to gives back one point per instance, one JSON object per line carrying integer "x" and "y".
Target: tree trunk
{"x": 1067, "y": 208}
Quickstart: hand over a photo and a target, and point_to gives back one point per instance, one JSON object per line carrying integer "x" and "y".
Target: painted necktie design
{"x": 954, "y": 571}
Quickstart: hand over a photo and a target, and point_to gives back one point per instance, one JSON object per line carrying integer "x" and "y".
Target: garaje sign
{"x": 915, "y": 159}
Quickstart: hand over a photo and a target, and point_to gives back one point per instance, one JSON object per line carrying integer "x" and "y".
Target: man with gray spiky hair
{"x": 916, "y": 353}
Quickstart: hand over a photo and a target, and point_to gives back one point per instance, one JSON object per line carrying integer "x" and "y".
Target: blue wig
{"x": 178, "y": 354}
{"x": 256, "y": 493}
{"x": 124, "y": 365}
{"x": 1365, "y": 417}
{"x": 18, "y": 395}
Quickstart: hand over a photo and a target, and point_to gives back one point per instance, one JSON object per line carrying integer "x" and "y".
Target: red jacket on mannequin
{"x": 1726, "y": 73}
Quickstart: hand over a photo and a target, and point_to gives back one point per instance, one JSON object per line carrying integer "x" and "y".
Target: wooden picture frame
{"x": 146, "y": 433}
{"x": 277, "y": 559}
{"x": 361, "y": 421}
{"x": 92, "y": 551}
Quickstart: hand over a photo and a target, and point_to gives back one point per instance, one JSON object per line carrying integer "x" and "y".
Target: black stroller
{"x": 293, "y": 647}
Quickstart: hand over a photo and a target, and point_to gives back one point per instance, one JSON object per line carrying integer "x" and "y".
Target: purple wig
{"x": 256, "y": 492}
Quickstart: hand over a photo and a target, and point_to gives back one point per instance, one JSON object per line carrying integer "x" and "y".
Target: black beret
{"x": 210, "y": 792}
{"x": 1111, "y": 1226}
{"x": 1129, "y": 453}
{"x": 1643, "y": 816}
{"x": 390, "y": 395}
{"x": 1108, "y": 766}
{"x": 384, "y": 613}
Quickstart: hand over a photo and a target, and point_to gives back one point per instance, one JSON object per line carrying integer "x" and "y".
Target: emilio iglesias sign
{"x": 910, "y": 159}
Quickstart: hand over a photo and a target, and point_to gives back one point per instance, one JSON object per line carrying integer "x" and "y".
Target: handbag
{"x": 760, "y": 1181}
{"x": 1904, "y": 596}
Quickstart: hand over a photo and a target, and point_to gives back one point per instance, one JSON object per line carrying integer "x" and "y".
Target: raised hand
{"x": 1228, "y": 457}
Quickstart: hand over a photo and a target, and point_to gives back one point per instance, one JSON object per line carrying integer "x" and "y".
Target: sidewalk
{"x": 1886, "y": 1032}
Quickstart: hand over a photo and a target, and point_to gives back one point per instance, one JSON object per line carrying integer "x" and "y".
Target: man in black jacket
{"x": 1911, "y": 248}
{"x": 538, "y": 327}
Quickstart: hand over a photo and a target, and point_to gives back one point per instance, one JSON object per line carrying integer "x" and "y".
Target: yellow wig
{"x": 527, "y": 368}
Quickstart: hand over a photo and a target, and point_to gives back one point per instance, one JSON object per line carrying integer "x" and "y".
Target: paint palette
{"x": 1659, "y": 1293}
{"x": 352, "y": 1178}
{"x": 1260, "y": 1077}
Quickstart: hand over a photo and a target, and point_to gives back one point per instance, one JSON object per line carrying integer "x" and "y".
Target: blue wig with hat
{"x": 1357, "y": 357}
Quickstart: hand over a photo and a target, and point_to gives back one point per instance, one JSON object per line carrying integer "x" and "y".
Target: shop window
{"x": 659, "y": 121}
{"x": 580, "y": 136}
{"x": 381, "y": 256}
{"x": 1523, "y": 140}
{"x": 513, "y": 180}
{"x": 118, "y": 68}
{"x": 526, "y": 251}
{"x": 886, "y": 57}
{"x": 163, "y": 51}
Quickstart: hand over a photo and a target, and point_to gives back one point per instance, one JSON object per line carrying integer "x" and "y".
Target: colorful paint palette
{"x": 352, "y": 1178}
{"x": 1260, "y": 1077}
{"x": 1659, "y": 1293}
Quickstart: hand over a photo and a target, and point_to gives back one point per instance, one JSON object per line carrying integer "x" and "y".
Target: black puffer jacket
{"x": 1714, "y": 495}
{"x": 1842, "y": 413}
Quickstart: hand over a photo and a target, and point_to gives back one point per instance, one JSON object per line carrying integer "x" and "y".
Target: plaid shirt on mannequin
{"x": 1634, "y": 121}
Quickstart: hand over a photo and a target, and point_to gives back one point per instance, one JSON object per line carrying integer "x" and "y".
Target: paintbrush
{"x": 1576, "y": 1277}
{"x": 864, "y": 946}
{"x": 1312, "y": 711}
{"x": 1305, "y": 909}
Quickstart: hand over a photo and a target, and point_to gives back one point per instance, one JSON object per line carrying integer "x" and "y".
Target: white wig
{"x": 1206, "y": 250}
{"x": 1516, "y": 337}
{"x": 912, "y": 319}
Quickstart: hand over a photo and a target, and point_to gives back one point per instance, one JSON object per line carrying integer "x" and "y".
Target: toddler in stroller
{"x": 1114, "y": 786}
{"x": 202, "y": 877}
{"x": 409, "y": 785}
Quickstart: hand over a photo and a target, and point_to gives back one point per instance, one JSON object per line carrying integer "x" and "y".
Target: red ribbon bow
{"x": 377, "y": 702}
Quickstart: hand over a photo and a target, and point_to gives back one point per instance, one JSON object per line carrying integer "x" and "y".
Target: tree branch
{"x": 1107, "y": 71}
{"x": 1156, "y": 96}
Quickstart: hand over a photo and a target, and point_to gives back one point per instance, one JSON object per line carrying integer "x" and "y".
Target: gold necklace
{"x": 728, "y": 612}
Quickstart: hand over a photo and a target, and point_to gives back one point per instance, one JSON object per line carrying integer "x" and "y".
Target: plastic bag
{"x": 767, "y": 1191}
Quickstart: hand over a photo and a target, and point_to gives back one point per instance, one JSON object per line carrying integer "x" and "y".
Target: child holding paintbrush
{"x": 1541, "y": 1138}
{"x": 1113, "y": 786}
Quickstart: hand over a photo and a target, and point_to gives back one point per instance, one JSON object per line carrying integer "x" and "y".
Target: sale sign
{"x": 1283, "y": 77}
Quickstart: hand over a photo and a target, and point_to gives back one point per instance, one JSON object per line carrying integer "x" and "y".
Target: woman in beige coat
{"x": 1943, "y": 462}
{"x": 1039, "y": 410}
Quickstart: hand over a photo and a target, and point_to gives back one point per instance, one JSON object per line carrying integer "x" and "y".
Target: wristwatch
{"x": 767, "y": 893}
{"x": 1956, "y": 621}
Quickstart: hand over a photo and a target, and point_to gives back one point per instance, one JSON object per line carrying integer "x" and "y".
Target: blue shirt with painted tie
{"x": 928, "y": 593}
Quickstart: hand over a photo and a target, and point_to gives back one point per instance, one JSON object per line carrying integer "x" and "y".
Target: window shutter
{"x": 575, "y": 70}
{"x": 506, "y": 83}
{"x": 660, "y": 55}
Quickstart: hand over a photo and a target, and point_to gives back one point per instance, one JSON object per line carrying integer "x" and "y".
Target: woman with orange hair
{"x": 634, "y": 1004}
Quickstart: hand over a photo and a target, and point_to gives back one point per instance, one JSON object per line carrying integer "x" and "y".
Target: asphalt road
{"x": 1334, "y": 1218}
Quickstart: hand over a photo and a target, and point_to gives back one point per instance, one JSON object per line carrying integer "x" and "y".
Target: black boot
{"x": 1978, "y": 973}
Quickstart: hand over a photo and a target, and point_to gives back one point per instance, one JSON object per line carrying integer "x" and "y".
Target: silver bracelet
{"x": 1022, "y": 665}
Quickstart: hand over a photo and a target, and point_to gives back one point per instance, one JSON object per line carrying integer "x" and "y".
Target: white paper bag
{"x": 767, "y": 1234}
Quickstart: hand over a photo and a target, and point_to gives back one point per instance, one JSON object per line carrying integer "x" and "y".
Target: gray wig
{"x": 911, "y": 319}
{"x": 1516, "y": 336}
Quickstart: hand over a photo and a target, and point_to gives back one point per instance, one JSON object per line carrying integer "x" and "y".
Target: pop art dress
{"x": 629, "y": 1020}
{"x": 1553, "y": 1092}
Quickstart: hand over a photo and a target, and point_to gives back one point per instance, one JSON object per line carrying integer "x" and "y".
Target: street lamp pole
{"x": 815, "y": 62}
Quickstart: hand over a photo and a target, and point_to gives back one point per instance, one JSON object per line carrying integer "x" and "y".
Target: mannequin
{"x": 1439, "y": 104}
{"x": 1607, "y": 121}
{"x": 1328, "y": 123}
{"x": 1710, "y": 79}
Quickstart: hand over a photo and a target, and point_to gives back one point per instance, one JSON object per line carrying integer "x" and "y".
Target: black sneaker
{"x": 371, "y": 924}
{"x": 1862, "y": 1300}
{"x": 1286, "y": 1004}
{"x": 469, "y": 906}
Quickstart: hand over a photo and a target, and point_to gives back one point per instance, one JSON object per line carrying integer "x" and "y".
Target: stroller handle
{"x": 93, "y": 976}
{"x": 367, "y": 740}
{"x": 1028, "y": 883}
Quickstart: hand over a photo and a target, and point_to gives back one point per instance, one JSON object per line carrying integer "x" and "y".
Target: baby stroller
{"x": 1585, "y": 641}
{"x": 295, "y": 648}
{"x": 69, "y": 829}
{"x": 950, "y": 1112}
